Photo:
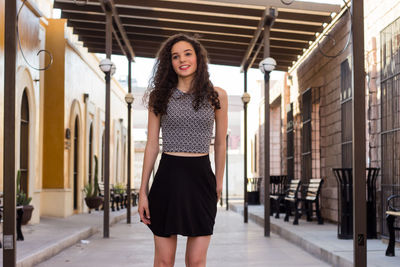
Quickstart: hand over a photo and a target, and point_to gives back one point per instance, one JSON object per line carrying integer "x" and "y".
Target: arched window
{"x": 24, "y": 143}
{"x": 76, "y": 158}
{"x": 103, "y": 145}
{"x": 117, "y": 167}
{"x": 90, "y": 175}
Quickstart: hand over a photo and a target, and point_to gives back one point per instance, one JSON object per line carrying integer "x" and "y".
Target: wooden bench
{"x": 20, "y": 236}
{"x": 278, "y": 185}
{"x": 113, "y": 199}
{"x": 391, "y": 214}
{"x": 311, "y": 195}
{"x": 291, "y": 200}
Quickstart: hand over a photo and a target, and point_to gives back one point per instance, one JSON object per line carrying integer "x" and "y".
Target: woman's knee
{"x": 164, "y": 262}
{"x": 195, "y": 261}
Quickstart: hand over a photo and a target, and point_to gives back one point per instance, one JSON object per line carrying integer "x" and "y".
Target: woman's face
{"x": 184, "y": 60}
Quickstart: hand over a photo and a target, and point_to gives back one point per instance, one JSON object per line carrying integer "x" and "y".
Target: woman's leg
{"x": 165, "y": 248}
{"x": 196, "y": 251}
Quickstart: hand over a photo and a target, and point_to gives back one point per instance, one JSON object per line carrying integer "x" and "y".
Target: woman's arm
{"x": 221, "y": 126}
{"x": 150, "y": 155}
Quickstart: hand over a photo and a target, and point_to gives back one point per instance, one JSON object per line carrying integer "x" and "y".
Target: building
{"x": 60, "y": 114}
{"x": 311, "y": 111}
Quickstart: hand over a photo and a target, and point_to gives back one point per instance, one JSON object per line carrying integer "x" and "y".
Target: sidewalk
{"x": 234, "y": 244}
{"x": 321, "y": 240}
{"x": 52, "y": 235}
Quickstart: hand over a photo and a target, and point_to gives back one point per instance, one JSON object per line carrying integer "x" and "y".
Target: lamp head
{"x": 129, "y": 98}
{"x": 267, "y": 64}
{"x": 106, "y": 66}
{"x": 246, "y": 98}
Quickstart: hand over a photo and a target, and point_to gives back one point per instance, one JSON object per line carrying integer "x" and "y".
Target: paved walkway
{"x": 234, "y": 244}
{"x": 321, "y": 240}
{"x": 52, "y": 235}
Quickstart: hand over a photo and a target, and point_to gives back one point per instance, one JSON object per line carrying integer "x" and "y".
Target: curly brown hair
{"x": 164, "y": 78}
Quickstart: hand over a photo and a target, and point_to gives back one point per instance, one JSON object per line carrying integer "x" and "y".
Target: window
{"x": 24, "y": 143}
{"x": 290, "y": 142}
{"x": 390, "y": 112}
{"x": 346, "y": 110}
{"x": 306, "y": 160}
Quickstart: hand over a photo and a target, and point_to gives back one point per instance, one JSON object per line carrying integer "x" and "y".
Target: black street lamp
{"x": 226, "y": 170}
{"x": 108, "y": 68}
{"x": 245, "y": 100}
{"x": 266, "y": 66}
{"x": 129, "y": 100}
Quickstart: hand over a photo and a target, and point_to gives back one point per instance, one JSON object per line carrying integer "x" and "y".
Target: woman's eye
{"x": 188, "y": 54}
{"x": 174, "y": 57}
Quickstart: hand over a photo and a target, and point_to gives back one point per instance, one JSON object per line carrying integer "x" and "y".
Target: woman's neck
{"x": 185, "y": 83}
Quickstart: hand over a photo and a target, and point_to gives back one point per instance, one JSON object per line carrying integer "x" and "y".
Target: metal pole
{"x": 359, "y": 183}
{"x": 226, "y": 174}
{"x": 266, "y": 136}
{"x": 128, "y": 213}
{"x": 246, "y": 196}
{"x": 10, "y": 54}
{"x": 106, "y": 230}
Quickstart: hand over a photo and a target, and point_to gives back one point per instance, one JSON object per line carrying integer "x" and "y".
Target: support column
{"x": 246, "y": 196}
{"x": 128, "y": 213}
{"x": 106, "y": 224}
{"x": 358, "y": 106}
{"x": 10, "y": 52}
{"x": 266, "y": 135}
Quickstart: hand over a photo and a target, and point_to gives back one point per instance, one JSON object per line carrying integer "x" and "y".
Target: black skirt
{"x": 183, "y": 197}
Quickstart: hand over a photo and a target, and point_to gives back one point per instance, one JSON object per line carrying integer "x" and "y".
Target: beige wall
{"x": 83, "y": 96}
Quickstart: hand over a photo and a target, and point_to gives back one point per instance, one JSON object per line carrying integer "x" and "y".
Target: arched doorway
{"x": 76, "y": 161}
{"x": 90, "y": 153}
{"x": 24, "y": 144}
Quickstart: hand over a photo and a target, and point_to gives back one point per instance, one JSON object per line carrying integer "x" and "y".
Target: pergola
{"x": 229, "y": 31}
{"x": 232, "y": 31}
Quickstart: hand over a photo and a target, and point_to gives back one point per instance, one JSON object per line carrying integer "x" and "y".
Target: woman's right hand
{"x": 144, "y": 211}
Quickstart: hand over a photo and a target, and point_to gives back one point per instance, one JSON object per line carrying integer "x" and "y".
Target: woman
{"x": 183, "y": 198}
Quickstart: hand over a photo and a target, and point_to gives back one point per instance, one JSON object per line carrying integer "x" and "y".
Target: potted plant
{"x": 92, "y": 199}
{"x": 24, "y": 201}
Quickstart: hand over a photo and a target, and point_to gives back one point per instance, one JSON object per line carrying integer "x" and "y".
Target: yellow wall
{"x": 53, "y": 148}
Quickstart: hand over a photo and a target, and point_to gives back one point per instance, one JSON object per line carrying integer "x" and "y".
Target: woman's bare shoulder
{"x": 221, "y": 92}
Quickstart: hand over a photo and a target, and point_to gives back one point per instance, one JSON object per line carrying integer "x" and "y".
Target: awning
{"x": 226, "y": 28}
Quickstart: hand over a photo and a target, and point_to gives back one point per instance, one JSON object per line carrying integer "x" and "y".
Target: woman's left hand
{"x": 219, "y": 192}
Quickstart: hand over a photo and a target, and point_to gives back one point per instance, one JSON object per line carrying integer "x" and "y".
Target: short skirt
{"x": 183, "y": 197}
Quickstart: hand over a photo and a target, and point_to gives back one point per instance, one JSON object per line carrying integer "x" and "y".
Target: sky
{"x": 226, "y": 77}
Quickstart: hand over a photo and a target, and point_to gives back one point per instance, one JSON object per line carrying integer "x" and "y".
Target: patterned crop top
{"x": 183, "y": 128}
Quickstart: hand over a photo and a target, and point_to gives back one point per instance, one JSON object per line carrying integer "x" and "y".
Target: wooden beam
{"x": 297, "y": 5}
{"x": 254, "y": 40}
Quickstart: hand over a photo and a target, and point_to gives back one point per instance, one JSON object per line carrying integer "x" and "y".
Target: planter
{"x": 27, "y": 215}
{"x": 93, "y": 202}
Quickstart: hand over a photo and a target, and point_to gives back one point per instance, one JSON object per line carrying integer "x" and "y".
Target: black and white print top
{"x": 183, "y": 128}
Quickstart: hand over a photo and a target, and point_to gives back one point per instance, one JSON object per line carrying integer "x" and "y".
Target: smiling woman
{"x": 183, "y": 103}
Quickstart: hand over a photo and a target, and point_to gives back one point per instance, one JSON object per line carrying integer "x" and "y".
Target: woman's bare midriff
{"x": 186, "y": 154}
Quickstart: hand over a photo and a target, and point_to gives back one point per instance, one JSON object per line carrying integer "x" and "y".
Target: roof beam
{"x": 298, "y": 5}
{"x": 122, "y": 34}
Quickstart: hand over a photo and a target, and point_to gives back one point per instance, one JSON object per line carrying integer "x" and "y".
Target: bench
{"x": 311, "y": 195}
{"x": 291, "y": 200}
{"x": 391, "y": 215}
{"x": 20, "y": 236}
{"x": 113, "y": 199}
{"x": 277, "y": 193}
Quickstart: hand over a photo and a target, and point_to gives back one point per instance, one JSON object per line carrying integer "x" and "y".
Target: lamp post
{"x": 108, "y": 68}
{"x": 226, "y": 169}
{"x": 266, "y": 66}
{"x": 129, "y": 100}
{"x": 245, "y": 100}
